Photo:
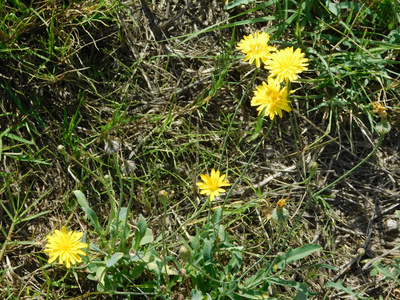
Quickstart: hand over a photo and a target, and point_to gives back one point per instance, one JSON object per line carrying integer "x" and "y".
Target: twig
{"x": 344, "y": 268}
{"x": 368, "y": 264}
{"x": 272, "y": 177}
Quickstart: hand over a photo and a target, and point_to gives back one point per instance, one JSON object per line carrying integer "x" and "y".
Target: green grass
{"x": 89, "y": 88}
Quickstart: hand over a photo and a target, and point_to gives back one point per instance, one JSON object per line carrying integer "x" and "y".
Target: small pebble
{"x": 391, "y": 225}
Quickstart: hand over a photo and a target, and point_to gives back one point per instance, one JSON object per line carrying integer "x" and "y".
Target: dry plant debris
{"x": 106, "y": 103}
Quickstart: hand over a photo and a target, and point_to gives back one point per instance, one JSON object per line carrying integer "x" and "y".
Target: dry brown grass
{"x": 172, "y": 116}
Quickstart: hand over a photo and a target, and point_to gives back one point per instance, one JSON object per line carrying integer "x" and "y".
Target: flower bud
{"x": 163, "y": 196}
{"x": 184, "y": 253}
{"x": 128, "y": 167}
{"x": 360, "y": 251}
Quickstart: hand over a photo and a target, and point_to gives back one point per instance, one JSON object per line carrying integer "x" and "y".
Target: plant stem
{"x": 355, "y": 167}
{"x": 263, "y": 256}
{"x": 234, "y": 116}
{"x": 312, "y": 196}
{"x": 188, "y": 220}
{"x": 10, "y": 231}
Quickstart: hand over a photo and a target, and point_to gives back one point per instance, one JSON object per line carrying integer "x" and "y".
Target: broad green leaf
{"x": 259, "y": 277}
{"x": 217, "y": 215}
{"x": 81, "y": 199}
{"x": 122, "y": 214}
{"x": 139, "y": 234}
{"x": 23, "y": 243}
{"x": 89, "y": 212}
{"x": 223, "y": 237}
{"x": 114, "y": 259}
{"x": 100, "y": 273}
{"x": 293, "y": 255}
{"x": 377, "y": 268}
{"x": 153, "y": 263}
{"x": 136, "y": 272}
{"x": 196, "y": 295}
{"x": 250, "y": 294}
{"x": 97, "y": 249}
{"x": 339, "y": 286}
{"x": 119, "y": 226}
{"x": 207, "y": 250}
{"x": 208, "y": 257}
{"x": 147, "y": 238}
{"x": 333, "y": 7}
{"x": 93, "y": 219}
{"x": 236, "y": 261}
{"x": 142, "y": 225}
{"x": 300, "y": 296}
{"x": 300, "y": 286}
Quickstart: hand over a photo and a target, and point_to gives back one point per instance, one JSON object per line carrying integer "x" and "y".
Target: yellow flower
{"x": 256, "y": 47}
{"x": 286, "y": 64}
{"x": 280, "y": 213}
{"x": 271, "y": 97}
{"x": 66, "y": 246}
{"x": 281, "y": 203}
{"x": 380, "y": 110}
{"x": 211, "y": 185}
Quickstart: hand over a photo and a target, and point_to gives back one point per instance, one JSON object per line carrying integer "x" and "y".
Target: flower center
{"x": 214, "y": 186}
{"x": 66, "y": 245}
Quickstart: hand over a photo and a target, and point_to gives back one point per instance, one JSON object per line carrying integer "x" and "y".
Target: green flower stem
{"x": 105, "y": 184}
{"x": 8, "y": 239}
{"x": 297, "y": 140}
{"x": 216, "y": 231}
{"x": 296, "y": 137}
{"x": 121, "y": 184}
{"x": 194, "y": 216}
{"x": 234, "y": 116}
{"x": 164, "y": 228}
{"x": 226, "y": 139}
{"x": 263, "y": 256}
{"x": 198, "y": 212}
{"x": 355, "y": 167}
{"x": 312, "y": 196}
{"x": 248, "y": 163}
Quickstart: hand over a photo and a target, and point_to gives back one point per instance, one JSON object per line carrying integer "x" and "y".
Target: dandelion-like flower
{"x": 281, "y": 203}
{"x": 380, "y": 110}
{"x": 256, "y": 48}
{"x": 271, "y": 97}
{"x": 66, "y": 246}
{"x": 280, "y": 213}
{"x": 211, "y": 185}
{"x": 286, "y": 64}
